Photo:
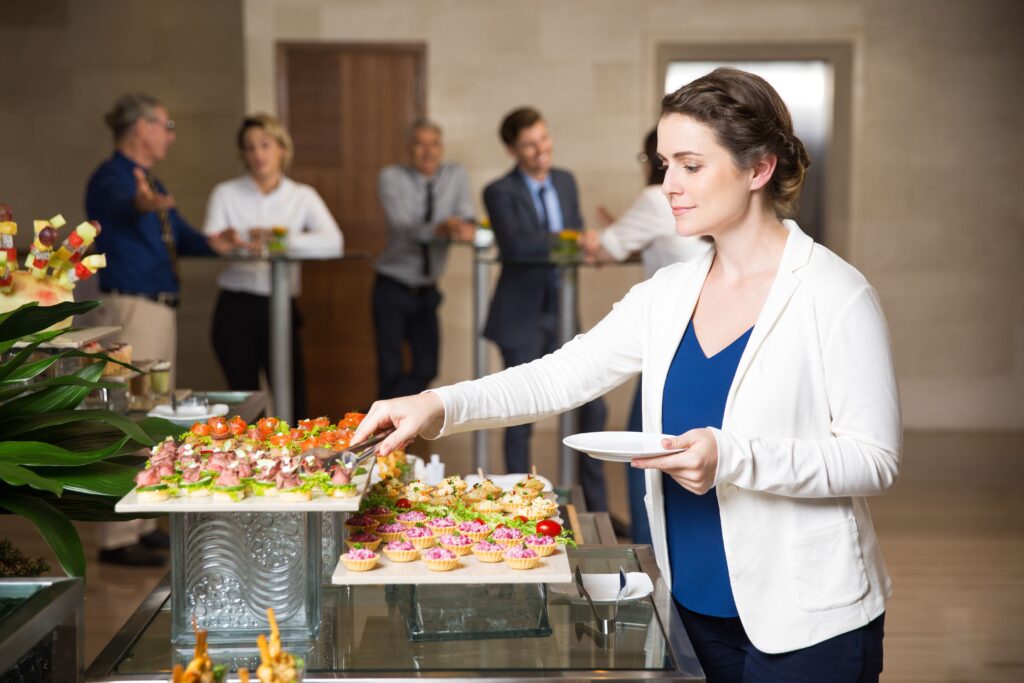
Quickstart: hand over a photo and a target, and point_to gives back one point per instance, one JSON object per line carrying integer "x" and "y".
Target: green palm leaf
{"x": 32, "y": 318}
{"x": 39, "y": 454}
{"x": 16, "y": 475}
{"x": 100, "y": 478}
{"x": 40, "y": 423}
{"x": 55, "y": 527}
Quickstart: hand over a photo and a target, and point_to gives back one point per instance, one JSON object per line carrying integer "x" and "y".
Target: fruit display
{"x": 50, "y": 271}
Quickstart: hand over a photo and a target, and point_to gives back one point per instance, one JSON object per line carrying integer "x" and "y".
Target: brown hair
{"x": 750, "y": 120}
{"x": 272, "y": 127}
{"x": 516, "y": 121}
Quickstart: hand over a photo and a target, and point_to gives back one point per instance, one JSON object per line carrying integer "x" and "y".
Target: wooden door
{"x": 349, "y": 108}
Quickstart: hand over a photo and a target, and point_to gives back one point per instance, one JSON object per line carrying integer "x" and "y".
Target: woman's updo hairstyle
{"x": 750, "y": 120}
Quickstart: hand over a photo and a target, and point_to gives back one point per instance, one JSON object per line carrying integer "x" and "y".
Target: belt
{"x": 413, "y": 289}
{"x": 165, "y": 298}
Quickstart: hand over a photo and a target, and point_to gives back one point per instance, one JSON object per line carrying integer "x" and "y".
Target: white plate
{"x": 507, "y": 481}
{"x": 187, "y": 415}
{"x": 604, "y": 587}
{"x": 619, "y": 446}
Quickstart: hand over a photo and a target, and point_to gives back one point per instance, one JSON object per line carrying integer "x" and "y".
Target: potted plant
{"x": 58, "y": 463}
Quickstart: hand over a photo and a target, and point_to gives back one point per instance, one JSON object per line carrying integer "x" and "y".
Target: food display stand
{"x": 364, "y": 634}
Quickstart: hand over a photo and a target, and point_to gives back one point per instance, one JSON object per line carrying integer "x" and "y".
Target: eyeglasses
{"x": 168, "y": 124}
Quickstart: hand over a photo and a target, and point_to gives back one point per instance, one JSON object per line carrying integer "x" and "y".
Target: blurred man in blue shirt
{"x": 142, "y": 236}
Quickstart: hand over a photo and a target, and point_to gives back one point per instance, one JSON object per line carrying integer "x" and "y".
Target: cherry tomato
{"x": 214, "y": 420}
{"x": 479, "y": 520}
{"x": 321, "y": 422}
{"x": 237, "y": 426}
{"x": 501, "y": 525}
{"x": 306, "y": 425}
{"x": 329, "y": 435}
{"x": 521, "y": 518}
{"x": 200, "y": 429}
{"x": 266, "y": 425}
{"x": 351, "y": 420}
{"x": 403, "y": 503}
{"x": 219, "y": 430}
{"x": 280, "y": 440}
{"x": 549, "y": 527}
{"x": 307, "y": 443}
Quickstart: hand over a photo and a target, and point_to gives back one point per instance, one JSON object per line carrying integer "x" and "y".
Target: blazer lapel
{"x": 664, "y": 350}
{"x": 525, "y": 199}
{"x": 795, "y": 255}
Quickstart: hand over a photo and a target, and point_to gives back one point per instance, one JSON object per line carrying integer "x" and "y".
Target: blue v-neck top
{"x": 696, "y": 389}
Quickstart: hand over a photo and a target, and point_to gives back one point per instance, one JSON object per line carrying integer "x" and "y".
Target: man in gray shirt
{"x": 427, "y": 204}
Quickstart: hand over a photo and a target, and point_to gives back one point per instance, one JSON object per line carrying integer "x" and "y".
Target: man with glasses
{"x": 528, "y": 207}
{"x": 142, "y": 235}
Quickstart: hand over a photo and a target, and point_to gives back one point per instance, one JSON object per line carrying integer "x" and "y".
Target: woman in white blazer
{"x": 809, "y": 418}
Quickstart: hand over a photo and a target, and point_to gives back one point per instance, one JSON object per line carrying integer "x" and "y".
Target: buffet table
{"x": 364, "y": 635}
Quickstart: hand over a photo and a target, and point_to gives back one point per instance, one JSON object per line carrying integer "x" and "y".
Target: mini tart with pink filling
{"x": 361, "y": 523}
{"x": 486, "y": 551}
{"x": 441, "y": 525}
{"x": 401, "y": 551}
{"x": 456, "y": 542}
{"x": 440, "y": 559}
{"x": 507, "y": 536}
{"x": 363, "y": 539}
{"x": 412, "y": 518}
{"x": 477, "y": 531}
{"x": 360, "y": 559}
{"x": 390, "y": 532}
{"x": 540, "y": 544}
{"x": 420, "y": 536}
{"x": 381, "y": 513}
{"x": 521, "y": 558}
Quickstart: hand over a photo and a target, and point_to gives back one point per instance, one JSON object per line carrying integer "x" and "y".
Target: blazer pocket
{"x": 828, "y": 567}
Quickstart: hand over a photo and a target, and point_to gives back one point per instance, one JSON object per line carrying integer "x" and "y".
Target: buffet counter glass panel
{"x": 378, "y": 632}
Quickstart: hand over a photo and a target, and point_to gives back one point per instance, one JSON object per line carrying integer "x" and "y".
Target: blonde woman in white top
{"x": 808, "y": 422}
{"x": 254, "y": 204}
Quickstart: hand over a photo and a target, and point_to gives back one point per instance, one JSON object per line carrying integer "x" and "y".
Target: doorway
{"x": 814, "y": 82}
{"x": 349, "y": 108}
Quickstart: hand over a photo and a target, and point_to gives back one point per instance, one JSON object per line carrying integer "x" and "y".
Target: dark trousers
{"x": 592, "y": 419}
{"x": 637, "y": 487}
{"x": 241, "y": 340}
{"x": 727, "y": 656}
{"x": 405, "y": 314}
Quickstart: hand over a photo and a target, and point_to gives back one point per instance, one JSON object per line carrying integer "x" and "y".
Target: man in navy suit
{"x": 526, "y": 208}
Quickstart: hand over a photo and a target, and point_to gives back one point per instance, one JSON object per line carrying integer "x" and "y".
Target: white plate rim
{"x": 618, "y": 454}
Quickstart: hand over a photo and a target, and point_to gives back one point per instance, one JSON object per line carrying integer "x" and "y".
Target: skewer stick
{"x": 480, "y": 473}
{"x": 533, "y": 469}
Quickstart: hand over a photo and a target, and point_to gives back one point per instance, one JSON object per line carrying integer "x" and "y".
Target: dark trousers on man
{"x": 592, "y": 419}
{"x": 405, "y": 314}
{"x": 241, "y": 340}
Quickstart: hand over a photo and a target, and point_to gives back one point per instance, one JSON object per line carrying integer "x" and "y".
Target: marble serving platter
{"x": 553, "y": 569}
{"x": 319, "y": 503}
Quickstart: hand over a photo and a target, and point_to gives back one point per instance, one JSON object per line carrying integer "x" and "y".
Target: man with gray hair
{"x": 142, "y": 236}
{"x": 427, "y": 205}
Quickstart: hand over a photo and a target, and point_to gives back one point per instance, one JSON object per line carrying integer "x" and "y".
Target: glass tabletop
{"x": 369, "y": 631}
{"x": 14, "y": 595}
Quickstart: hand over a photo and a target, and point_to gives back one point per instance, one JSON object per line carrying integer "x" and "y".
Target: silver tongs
{"x": 350, "y": 458}
{"x": 605, "y": 627}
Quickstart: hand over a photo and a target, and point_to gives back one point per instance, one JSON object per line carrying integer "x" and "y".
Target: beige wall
{"x": 935, "y": 222}
{"x": 63, "y": 65}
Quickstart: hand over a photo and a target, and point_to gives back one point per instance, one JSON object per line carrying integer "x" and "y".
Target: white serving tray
{"x": 76, "y": 338}
{"x": 319, "y": 503}
{"x": 553, "y": 569}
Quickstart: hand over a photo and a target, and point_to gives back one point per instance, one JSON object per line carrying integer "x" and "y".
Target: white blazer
{"x": 811, "y": 427}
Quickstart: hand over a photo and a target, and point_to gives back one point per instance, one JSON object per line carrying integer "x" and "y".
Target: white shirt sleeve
{"x": 641, "y": 224}
{"x": 216, "y": 211}
{"x": 320, "y": 233}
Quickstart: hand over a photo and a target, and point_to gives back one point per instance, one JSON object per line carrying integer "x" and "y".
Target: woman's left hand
{"x": 693, "y": 468}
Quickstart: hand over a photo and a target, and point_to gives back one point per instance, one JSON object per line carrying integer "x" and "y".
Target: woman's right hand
{"x": 409, "y": 415}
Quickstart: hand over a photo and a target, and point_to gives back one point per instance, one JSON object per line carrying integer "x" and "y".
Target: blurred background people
{"x": 254, "y": 204}
{"x": 427, "y": 204}
{"x": 143, "y": 235}
{"x": 527, "y": 207}
{"x": 648, "y": 227}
